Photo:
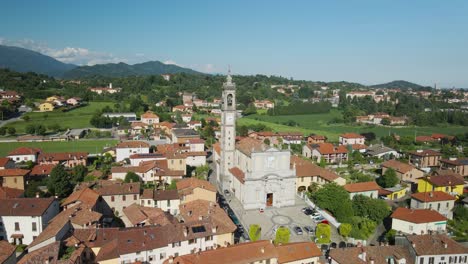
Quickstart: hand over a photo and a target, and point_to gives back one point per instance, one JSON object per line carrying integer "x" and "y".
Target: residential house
{"x": 56, "y": 253}
{"x": 125, "y": 149}
{"x": 458, "y": 165}
{"x": 182, "y": 108}
{"x": 149, "y": 118}
{"x": 359, "y": 94}
{"x": 351, "y": 139}
{"x": 102, "y": 90}
{"x": 67, "y": 159}
{"x": 394, "y": 193}
{"x": 130, "y": 117}
{"x": 382, "y": 152}
{"x": 118, "y": 195}
{"x": 7, "y": 253}
{"x": 186, "y": 118}
{"x": 308, "y": 173}
{"x": 13, "y": 178}
{"x": 194, "y": 124}
{"x": 166, "y": 200}
{"x": 369, "y": 189}
{"x": 425, "y": 158}
{"x": 418, "y": 221}
{"x": 46, "y": 107}
{"x": 74, "y": 101}
{"x": 41, "y": 171}
{"x": 192, "y": 189}
{"x": 445, "y": 181}
{"x": 8, "y": 193}
{"x": 153, "y": 171}
{"x": 405, "y": 172}
{"x": 371, "y": 254}
{"x": 23, "y": 219}
{"x": 264, "y": 104}
{"x": 315, "y": 139}
{"x": 326, "y": 151}
{"x": 276, "y": 138}
{"x": 182, "y": 135}
{"x": 88, "y": 208}
{"x": 436, "y": 200}
{"x": 23, "y": 154}
{"x": 137, "y": 215}
{"x": 6, "y": 163}
{"x": 136, "y": 159}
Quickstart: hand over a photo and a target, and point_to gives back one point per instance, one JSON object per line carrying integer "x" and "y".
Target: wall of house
{"x": 397, "y": 195}
{"x": 443, "y": 207}
{"x": 424, "y": 186}
{"x": 314, "y": 260}
{"x": 461, "y": 258}
{"x": 196, "y": 161}
{"x": 200, "y": 194}
{"x": 410, "y": 228}
{"x": 306, "y": 151}
{"x": 372, "y": 194}
{"x": 20, "y": 158}
{"x": 16, "y": 182}
{"x": 119, "y": 204}
{"x": 177, "y": 164}
{"x": 123, "y": 153}
{"x": 171, "y": 206}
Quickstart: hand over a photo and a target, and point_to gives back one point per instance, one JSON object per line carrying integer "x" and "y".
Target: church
{"x": 258, "y": 175}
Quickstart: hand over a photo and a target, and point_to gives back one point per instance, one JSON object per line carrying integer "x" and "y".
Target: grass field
{"x": 318, "y": 124}
{"x": 77, "y": 118}
{"x": 91, "y": 146}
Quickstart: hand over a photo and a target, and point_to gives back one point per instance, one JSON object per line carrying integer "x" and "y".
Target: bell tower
{"x": 228, "y": 132}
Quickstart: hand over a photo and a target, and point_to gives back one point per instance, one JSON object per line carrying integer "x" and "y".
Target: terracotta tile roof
{"x": 84, "y": 215}
{"x": 62, "y": 156}
{"x": 189, "y": 184}
{"x": 133, "y": 144}
{"x": 417, "y": 216}
{"x": 238, "y": 173}
{"x": 362, "y": 187}
{"x": 251, "y": 252}
{"x": 160, "y": 195}
{"x": 425, "y": 139}
{"x": 318, "y": 137}
{"x": 377, "y": 254}
{"x": 398, "y": 166}
{"x": 147, "y": 156}
{"x": 358, "y": 146}
{"x": 297, "y": 251}
{"x": 43, "y": 169}
{"x": 8, "y": 193}
{"x": 329, "y": 148}
{"x": 85, "y": 196}
{"x": 159, "y": 168}
{"x": 6, "y": 251}
{"x": 440, "y": 136}
{"x": 444, "y": 180}
{"x": 455, "y": 162}
{"x": 24, "y": 151}
{"x": 351, "y": 135}
{"x": 138, "y": 124}
{"x": 426, "y": 152}
{"x": 149, "y": 114}
{"x": 437, "y": 244}
{"x": 4, "y": 161}
{"x": 248, "y": 145}
{"x": 13, "y": 172}
{"x": 46, "y": 254}
{"x": 137, "y": 214}
{"x": 25, "y": 206}
{"x": 105, "y": 188}
{"x": 434, "y": 196}
{"x": 308, "y": 169}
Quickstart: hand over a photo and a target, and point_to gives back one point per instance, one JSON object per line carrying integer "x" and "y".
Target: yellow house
{"x": 13, "y": 178}
{"x": 46, "y": 107}
{"x": 394, "y": 193}
{"x": 448, "y": 183}
{"x": 192, "y": 189}
{"x": 52, "y": 98}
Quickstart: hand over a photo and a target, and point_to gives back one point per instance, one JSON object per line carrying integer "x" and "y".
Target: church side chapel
{"x": 258, "y": 175}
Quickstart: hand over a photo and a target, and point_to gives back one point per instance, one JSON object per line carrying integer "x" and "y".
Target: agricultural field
{"x": 318, "y": 124}
{"x": 91, "y": 146}
{"x": 76, "y": 118}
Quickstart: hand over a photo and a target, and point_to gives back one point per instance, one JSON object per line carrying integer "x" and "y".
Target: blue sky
{"x": 369, "y": 42}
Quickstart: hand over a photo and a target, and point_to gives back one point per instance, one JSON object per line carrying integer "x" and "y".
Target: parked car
{"x": 308, "y": 211}
{"x": 298, "y": 230}
{"x": 318, "y": 219}
{"x": 309, "y": 230}
{"x": 315, "y": 215}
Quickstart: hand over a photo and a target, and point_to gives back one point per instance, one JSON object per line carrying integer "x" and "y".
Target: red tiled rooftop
{"x": 362, "y": 187}
{"x": 417, "y": 216}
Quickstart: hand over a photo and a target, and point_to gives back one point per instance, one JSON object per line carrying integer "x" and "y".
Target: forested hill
{"x": 24, "y": 60}
{"x": 399, "y": 85}
{"x": 124, "y": 70}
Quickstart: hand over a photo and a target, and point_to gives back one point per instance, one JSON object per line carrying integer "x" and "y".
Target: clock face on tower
{"x": 229, "y": 119}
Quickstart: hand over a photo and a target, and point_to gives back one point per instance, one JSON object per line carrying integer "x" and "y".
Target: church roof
{"x": 249, "y": 145}
{"x": 238, "y": 173}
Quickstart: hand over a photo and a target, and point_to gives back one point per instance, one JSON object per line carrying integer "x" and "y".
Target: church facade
{"x": 259, "y": 175}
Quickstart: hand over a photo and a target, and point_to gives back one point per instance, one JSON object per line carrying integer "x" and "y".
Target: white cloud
{"x": 74, "y": 55}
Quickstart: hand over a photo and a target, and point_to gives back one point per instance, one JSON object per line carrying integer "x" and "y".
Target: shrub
{"x": 282, "y": 235}
{"x": 255, "y": 232}
{"x": 345, "y": 229}
{"x": 323, "y": 233}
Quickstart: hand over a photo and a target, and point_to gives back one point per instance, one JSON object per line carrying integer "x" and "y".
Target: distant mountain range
{"x": 24, "y": 60}
{"x": 398, "y": 84}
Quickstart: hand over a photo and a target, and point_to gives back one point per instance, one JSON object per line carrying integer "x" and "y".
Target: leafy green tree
{"x": 345, "y": 229}
{"x": 335, "y": 199}
{"x": 282, "y": 236}
{"x": 266, "y": 141}
{"x": 373, "y": 209}
{"x": 79, "y": 172}
{"x": 323, "y": 233}
{"x": 2, "y": 131}
{"x": 59, "y": 182}
{"x": 54, "y": 127}
{"x": 389, "y": 179}
{"x": 385, "y": 122}
{"x": 131, "y": 177}
{"x": 11, "y": 131}
{"x": 172, "y": 185}
{"x": 255, "y": 232}
{"x": 202, "y": 172}
{"x": 26, "y": 118}
{"x": 30, "y": 129}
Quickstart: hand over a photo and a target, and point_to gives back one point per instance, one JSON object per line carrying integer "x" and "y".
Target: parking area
{"x": 272, "y": 218}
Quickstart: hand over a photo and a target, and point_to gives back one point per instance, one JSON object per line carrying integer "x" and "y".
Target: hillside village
{"x": 184, "y": 184}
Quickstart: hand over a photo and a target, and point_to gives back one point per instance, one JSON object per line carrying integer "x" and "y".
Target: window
{"x": 34, "y": 226}
{"x": 438, "y": 207}
{"x": 112, "y": 198}
{"x": 192, "y": 241}
{"x": 448, "y": 204}
{"x": 431, "y": 260}
{"x": 168, "y": 203}
{"x": 410, "y": 228}
{"x": 162, "y": 255}
{"x": 17, "y": 227}
{"x": 208, "y": 238}
{"x": 134, "y": 197}
{"x": 421, "y": 261}
{"x": 124, "y": 197}
{"x": 176, "y": 244}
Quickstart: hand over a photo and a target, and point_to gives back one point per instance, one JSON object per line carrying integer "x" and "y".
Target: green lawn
{"x": 317, "y": 123}
{"x": 77, "y": 118}
{"x": 91, "y": 146}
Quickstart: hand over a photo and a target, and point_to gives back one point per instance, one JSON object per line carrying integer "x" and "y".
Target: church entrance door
{"x": 269, "y": 199}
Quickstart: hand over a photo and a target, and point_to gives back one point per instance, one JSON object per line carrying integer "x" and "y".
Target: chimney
{"x": 413, "y": 245}
{"x": 431, "y": 194}
{"x": 185, "y": 231}
{"x": 37, "y": 195}
{"x": 262, "y": 250}
{"x": 171, "y": 260}
{"x": 214, "y": 229}
{"x": 445, "y": 244}
{"x": 363, "y": 255}
{"x": 372, "y": 261}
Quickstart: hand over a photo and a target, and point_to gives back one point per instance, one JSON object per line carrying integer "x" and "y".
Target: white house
{"x": 369, "y": 189}
{"x": 119, "y": 195}
{"x": 435, "y": 248}
{"x": 166, "y": 200}
{"x": 436, "y": 200}
{"x": 136, "y": 159}
{"x": 418, "y": 221}
{"x": 23, "y": 219}
{"x": 351, "y": 139}
{"x": 125, "y": 149}
{"x": 149, "y": 118}
{"x": 23, "y": 154}
{"x": 149, "y": 171}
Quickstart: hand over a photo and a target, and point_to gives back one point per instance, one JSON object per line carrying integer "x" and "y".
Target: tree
{"x": 202, "y": 172}
{"x": 59, "y": 182}
{"x": 131, "y": 177}
{"x": 389, "y": 179}
{"x": 282, "y": 235}
{"x": 2, "y": 131}
{"x": 266, "y": 141}
{"x": 255, "y": 232}
{"x": 345, "y": 229}
{"x": 54, "y": 127}
{"x": 172, "y": 185}
{"x": 373, "y": 209}
{"x": 30, "y": 129}
{"x": 11, "y": 131}
{"x": 385, "y": 121}
{"x": 335, "y": 199}
{"x": 323, "y": 233}
{"x": 26, "y": 118}
{"x": 79, "y": 172}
